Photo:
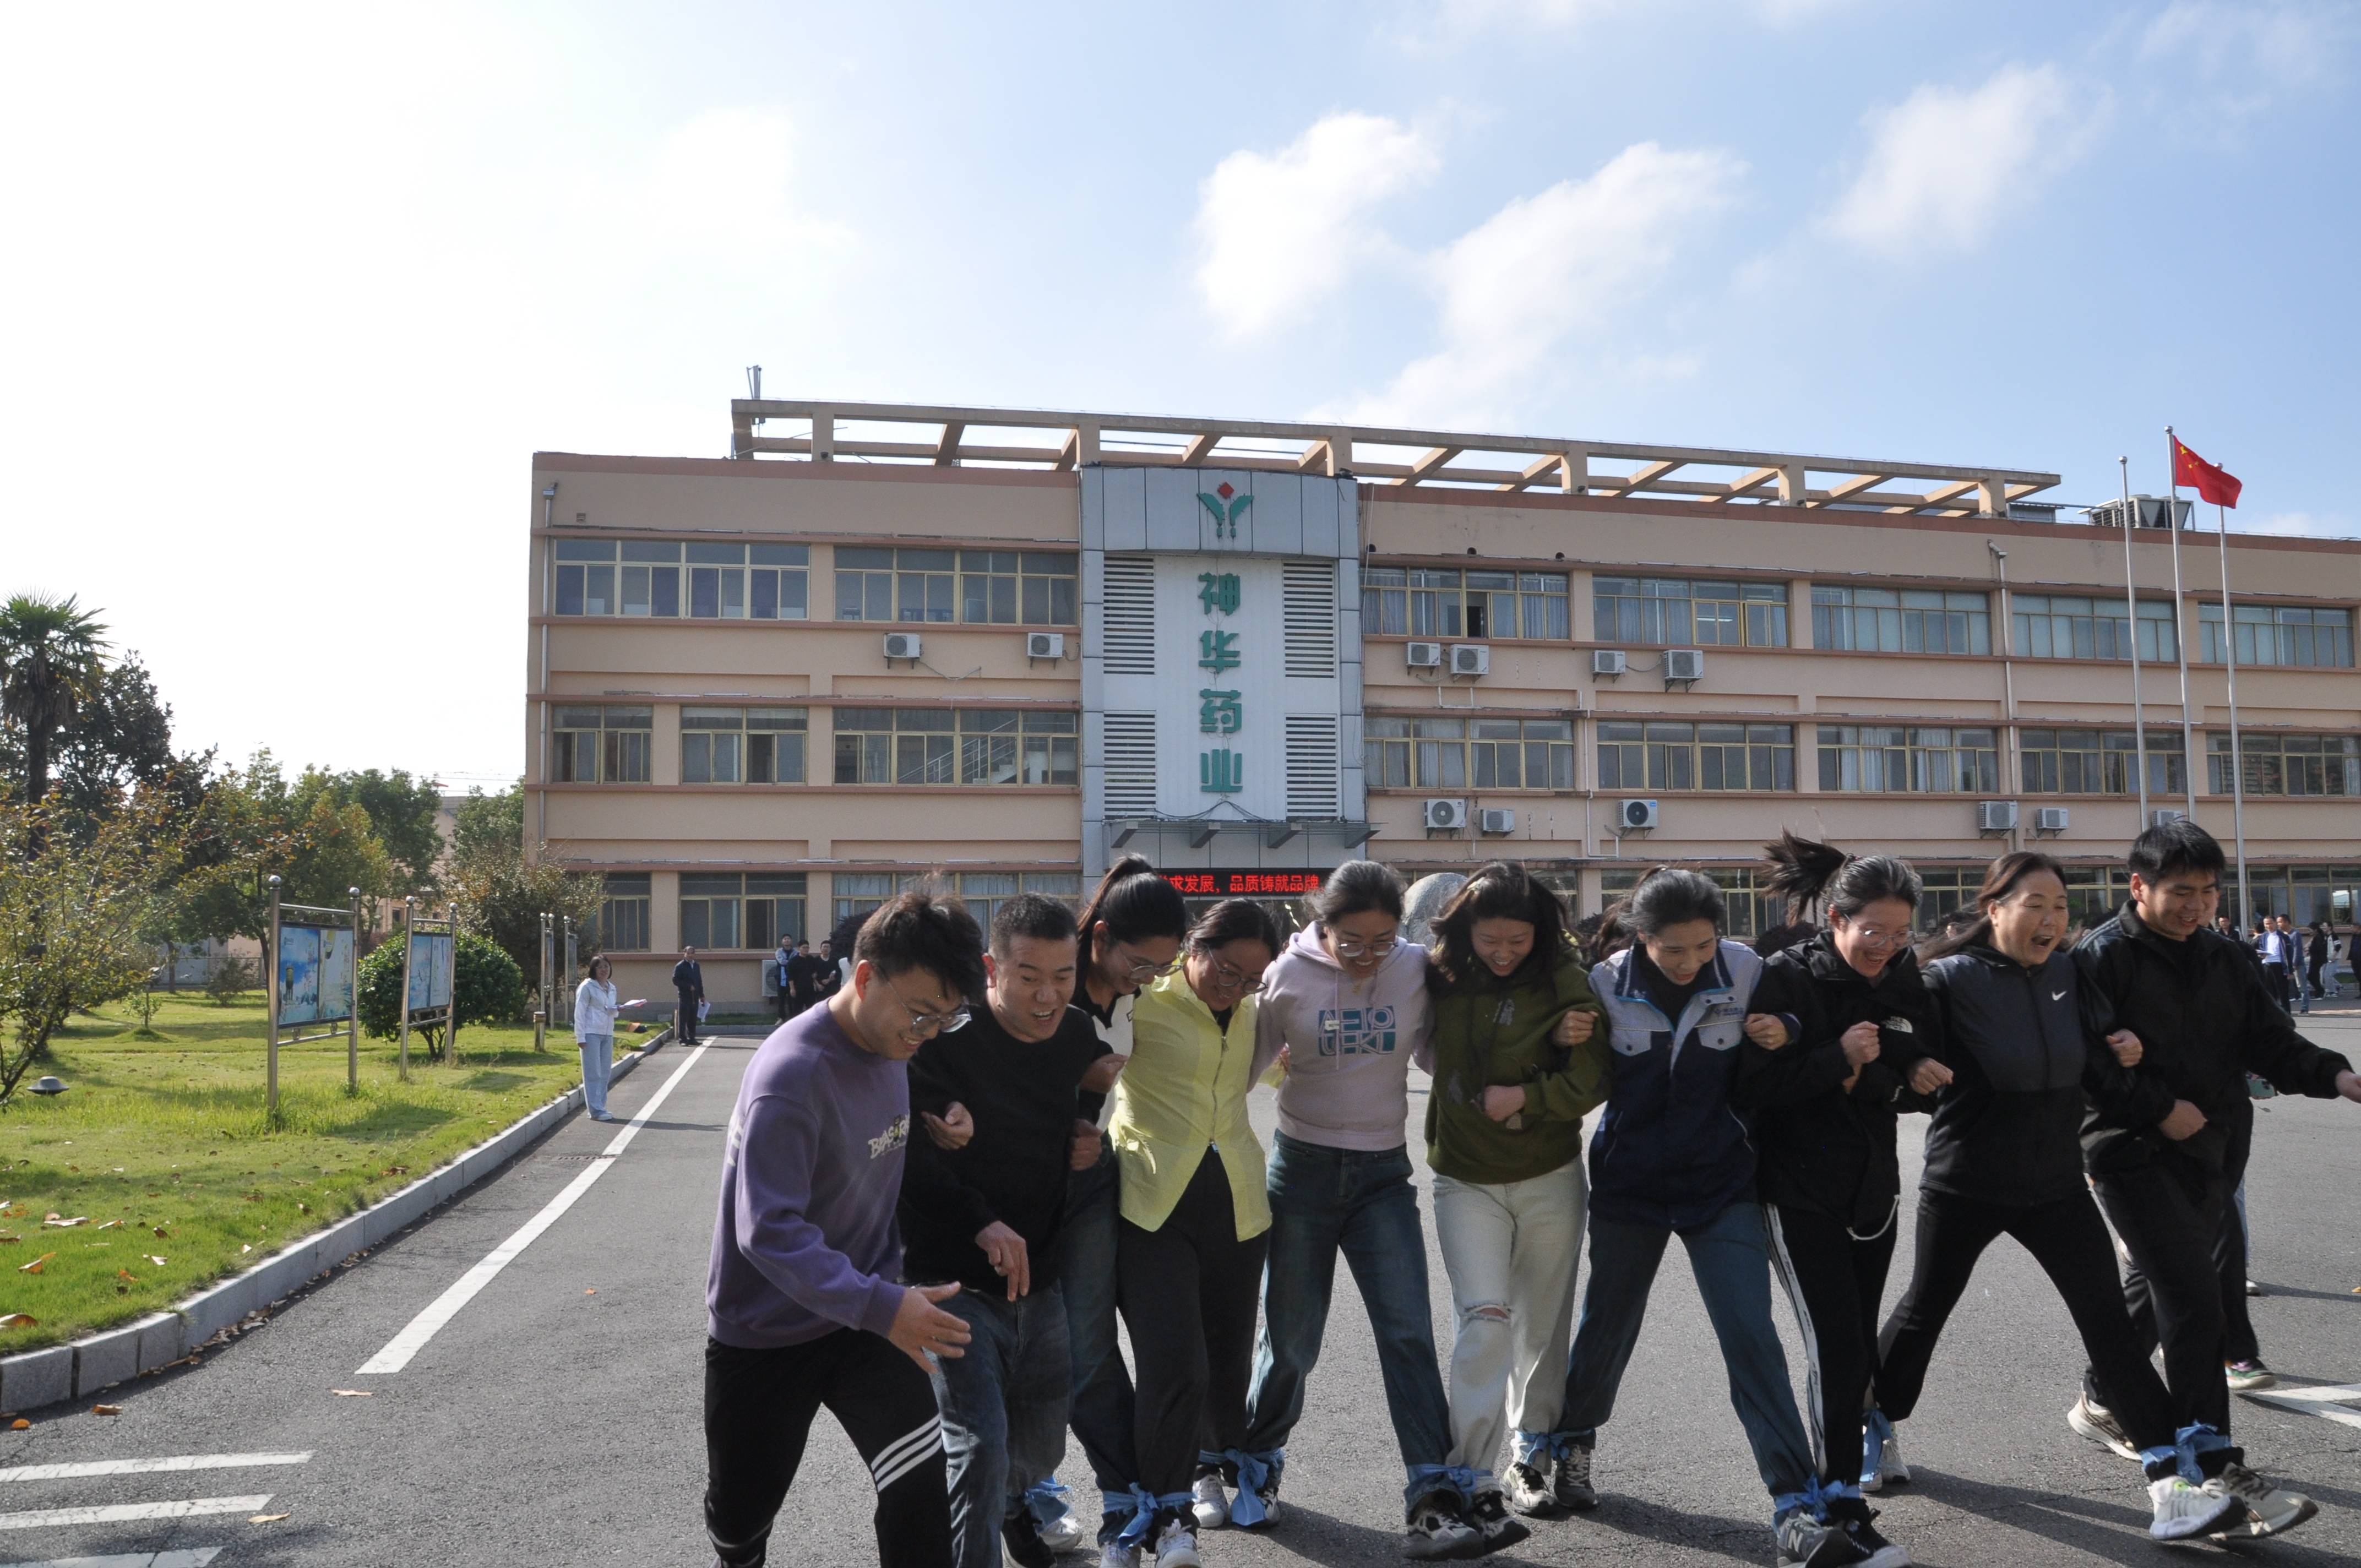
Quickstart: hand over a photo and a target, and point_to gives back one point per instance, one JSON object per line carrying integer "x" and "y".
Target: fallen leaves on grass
{"x": 154, "y": 1259}
{"x": 110, "y": 1224}
{"x": 17, "y": 1321}
{"x": 264, "y": 1518}
{"x": 58, "y": 1225}
{"x": 354, "y": 1393}
{"x": 4, "y": 1236}
{"x": 106, "y": 1410}
{"x": 35, "y": 1266}
{"x": 126, "y": 1273}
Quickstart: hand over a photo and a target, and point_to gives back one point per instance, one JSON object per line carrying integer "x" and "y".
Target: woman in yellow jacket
{"x": 1189, "y": 1246}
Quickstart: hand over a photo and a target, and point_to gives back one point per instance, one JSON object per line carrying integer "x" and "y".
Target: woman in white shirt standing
{"x": 594, "y": 1031}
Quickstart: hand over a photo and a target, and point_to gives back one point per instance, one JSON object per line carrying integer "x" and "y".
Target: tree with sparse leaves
{"x": 503, "y": 896}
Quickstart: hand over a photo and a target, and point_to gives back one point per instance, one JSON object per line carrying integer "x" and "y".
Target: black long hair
{"x": 1500, "y": 891}
{"x": 1232, "y": 920}
{"x": 1809, "y": 874}
{"x": 1354, "y": 887}
{"x": 1136, "y": 903}
{"x": 2001, "y": 879}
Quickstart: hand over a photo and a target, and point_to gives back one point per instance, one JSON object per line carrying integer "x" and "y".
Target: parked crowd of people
{"x": 951, "y": 1173}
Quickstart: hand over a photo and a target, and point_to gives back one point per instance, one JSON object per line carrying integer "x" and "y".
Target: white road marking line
{"x": 194, "y": 1559}
{"x": 125, "y": 1513}
{"x": 148, "y": 1467}
{"x": 2311, "y": 1402}
{"x": 412, "y": 1339}
{"x": 2326, "y": 1393}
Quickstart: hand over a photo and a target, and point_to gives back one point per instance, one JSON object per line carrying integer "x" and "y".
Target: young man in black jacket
{"x": 2206, "y": 1020}
{"x": 982, "y": 1198}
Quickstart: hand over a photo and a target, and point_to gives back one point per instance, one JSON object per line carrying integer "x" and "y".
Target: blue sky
{"x": 293, "y": 295}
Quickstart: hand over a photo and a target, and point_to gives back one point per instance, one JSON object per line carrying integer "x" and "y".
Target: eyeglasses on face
{"x": 1346, "y": 948}
{"x": 1229, "y": 977}
{"x": 1142, "y": 969}
{"x": 924, "y": 1024}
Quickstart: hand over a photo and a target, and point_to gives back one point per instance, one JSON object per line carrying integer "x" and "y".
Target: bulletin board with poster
{"x": 313, "y": 949}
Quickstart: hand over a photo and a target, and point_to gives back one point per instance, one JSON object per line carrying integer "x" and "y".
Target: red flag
{"x": 2216, "y": 485}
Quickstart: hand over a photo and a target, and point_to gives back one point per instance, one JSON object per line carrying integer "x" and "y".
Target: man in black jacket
{"x": 982, "y": 1197}
{"x": 688, "y": 990}
{"x": 2206, "y": 1020}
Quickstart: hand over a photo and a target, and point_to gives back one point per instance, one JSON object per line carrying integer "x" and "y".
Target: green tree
{"x": 503, "y": 895}
{"x": 52, "y": 665}
{"x": 486, "y": 985}
{"x": 489, "y": 824}
{"x": 403, "y": 812}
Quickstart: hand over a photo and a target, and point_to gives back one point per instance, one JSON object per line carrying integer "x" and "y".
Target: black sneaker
{"x": 1571, "y": 1486}
{"x": 1490, "y": 1515}
{"x": 1527, "y": 1490}
{"x": 1854, "y": 1517}
{"x": 1806, "y": 1542}
{"x": 1023, "y": 1537}
{"x": 1439, "y": 1531}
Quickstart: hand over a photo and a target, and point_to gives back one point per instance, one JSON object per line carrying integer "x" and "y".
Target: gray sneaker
{"x": 1806, "y": 1542}
{"x": 2270, "y": 1510}
{"x": 1528, "y": 1491}
{"x": 1571, "y": 1486}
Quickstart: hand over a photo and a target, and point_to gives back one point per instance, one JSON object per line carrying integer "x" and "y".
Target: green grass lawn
{"x": 163, "y": 1147}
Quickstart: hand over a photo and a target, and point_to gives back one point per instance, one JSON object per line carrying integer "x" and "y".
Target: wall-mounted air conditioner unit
{"x": 1995, "y": 815}
{"x": 1045, "y": 644}
{"x": 1423, "y": 655}
{"x": 1636, "y": 817}
{"x": 2050, "y": 818}
{"x": 1445, "y": 815}
{"x": 904, "y": 645}
{"x": 1609, "y": 662}
{"x": 1495, "y": 820}
{"x": 1684, "y": 664}
{"x": 1470, "y": 658}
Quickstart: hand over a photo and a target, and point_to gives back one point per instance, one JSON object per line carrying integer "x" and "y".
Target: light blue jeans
{"x": 597, "y": 1062}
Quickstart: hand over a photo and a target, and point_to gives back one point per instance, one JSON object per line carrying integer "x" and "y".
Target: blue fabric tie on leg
{"x": 1456, "y": 1481}
{"x": 2191, "y": 1442}
{"x": 1048, "y": 1502}
{"x": 1144, "y": 1505}
{"x": 1876, "y": 1432}
{"x": 1256, "y": 1471}
{"x": 1540, "y": 1448}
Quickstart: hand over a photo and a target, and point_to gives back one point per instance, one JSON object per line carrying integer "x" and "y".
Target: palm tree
{"x": 50, "y": 663}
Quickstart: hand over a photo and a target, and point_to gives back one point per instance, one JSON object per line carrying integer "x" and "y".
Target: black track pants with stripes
{"x": 759, "y": 1406}
{"x": 1835, "y": 1283}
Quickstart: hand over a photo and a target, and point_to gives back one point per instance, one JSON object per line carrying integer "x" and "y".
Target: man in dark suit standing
{"x": 688, "y": 985}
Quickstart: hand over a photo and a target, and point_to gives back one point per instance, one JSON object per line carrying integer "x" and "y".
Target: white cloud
{"x": 1279, "y": 232}
{"x": 1553, "y": 267}
{"x": 2251, "y": 52}
{"x": 1947, "y": 166}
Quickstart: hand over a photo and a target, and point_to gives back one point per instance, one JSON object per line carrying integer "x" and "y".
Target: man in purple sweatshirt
{"x": 802, "y": 1309}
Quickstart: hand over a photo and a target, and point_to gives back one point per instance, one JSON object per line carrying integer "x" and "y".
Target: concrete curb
{"x": 82, "y": 1368}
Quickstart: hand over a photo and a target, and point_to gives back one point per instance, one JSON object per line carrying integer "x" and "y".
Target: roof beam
{"x": 947, "y": 449}
{"x": 1200, "y": 446}
{"x": 1646, "y": 474}
{"x": 1533, "y": 471}
{"x": 1429, "y": 464}
{"x": 1751, "y": 482}
{"x": 1845, "y": 489}
{"x": 1940, "y": 496}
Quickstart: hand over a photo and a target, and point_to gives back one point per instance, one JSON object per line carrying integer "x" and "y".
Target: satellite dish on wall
{"x": 1425, "y": 900}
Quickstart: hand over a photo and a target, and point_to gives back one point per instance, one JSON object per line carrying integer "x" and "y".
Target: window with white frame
{"x": 1011, "y": 587}
{"x": 2097, "y": 761}
{"x": 896, "y": 745}
{"x": 1900, "y": 620}
{"x": 999, "y": 746}
{"x": 2073, "y": 625}
{"x": 599, "y": 742}
{"x": 2301, "y": 635}
{"x": 1421, "y": 601}
{"x": 1668, "y": 754}
{"x": 649, "y": 577}
{"x": 2282, "y": 765}
{"x": 742, "y": 745}
{"x": 757, "y": 582}
{"x": 623, "y": 916}
{"x": 1674, "y": 611}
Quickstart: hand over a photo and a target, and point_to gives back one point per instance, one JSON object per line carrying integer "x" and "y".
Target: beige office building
{"x": 882, "y": 641}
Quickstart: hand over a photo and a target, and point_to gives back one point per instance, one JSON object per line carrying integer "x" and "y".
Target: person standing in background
{"x": 594, "y": 1033}
{"x": 2271, "y": 946}
{"x": 2321, "y": 949}
{"x": 688, "y": 987}
{"x": 778, "y": 966}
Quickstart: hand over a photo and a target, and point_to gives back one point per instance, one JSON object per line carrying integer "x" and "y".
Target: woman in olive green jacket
{"x": 1520, "y": 1059}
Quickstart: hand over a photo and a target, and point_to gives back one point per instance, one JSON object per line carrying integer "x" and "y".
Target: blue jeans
{"x": 1324, "y": 1201}
{"x": 597, "y": 1065}
{"x": 1732, "y": 1261}
{"x": 1004, "y": 1407}
{"x": 1102, "y": 1399}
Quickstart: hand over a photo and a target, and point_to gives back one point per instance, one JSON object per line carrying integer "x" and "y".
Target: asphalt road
{"x": 556, "y": 1418}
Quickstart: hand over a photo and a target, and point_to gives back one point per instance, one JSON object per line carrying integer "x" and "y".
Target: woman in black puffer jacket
{"x": 1860, "y": 1045}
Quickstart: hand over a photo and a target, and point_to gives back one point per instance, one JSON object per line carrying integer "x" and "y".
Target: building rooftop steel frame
{"x": 946, "y": 436}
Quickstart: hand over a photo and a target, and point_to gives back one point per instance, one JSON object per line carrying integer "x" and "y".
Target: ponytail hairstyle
{"x": 1500, "y": 891}
{"x": 1355, "y": 888}
{"x": 1136, "y": 903}
{"x": 1233, "y": 920}
{"x": 2001, "y": 879}
{"x": 1806, "y": 874}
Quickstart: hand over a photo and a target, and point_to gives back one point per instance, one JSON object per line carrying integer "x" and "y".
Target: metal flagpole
{"x": 2188, "y": 758}
{"x": 2131, "y": 606}
{"x": 270, "y": 960}
{"x": 2237, "y": 756}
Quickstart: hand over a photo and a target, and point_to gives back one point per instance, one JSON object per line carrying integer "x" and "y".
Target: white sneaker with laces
{"x": 1887, "y": 1469}
{"x": 1209, "y": 1502}
{"x": 1065, "y": 1533}
{"x": 2098, "y": 1424}
{"x": 1176, "y": 1546}
{"x": 1115, "y": 1554}
{"x": 2183, "y": 1510}
{"x": 2271, "y": 1509}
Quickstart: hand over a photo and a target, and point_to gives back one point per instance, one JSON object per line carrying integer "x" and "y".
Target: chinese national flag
{"x": 2216, "y": 484}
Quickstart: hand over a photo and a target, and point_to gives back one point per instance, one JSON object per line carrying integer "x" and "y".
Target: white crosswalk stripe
{"x": 2325, "y": 1401}
{"x": 167, "y": 1464}
{"x": 127, "y": 1513}
{"x": 196, "y": 1558}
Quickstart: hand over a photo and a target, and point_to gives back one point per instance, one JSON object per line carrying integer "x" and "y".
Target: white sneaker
{"x": 1176, "y": 1546}
{"x": 2098, "y": 1424}
{"x": 1065, "y": 1533}
{"x": 2270, "y": 1510}
{"x": 1886, "y": 1469}
{"x": 1115, "y": 1554}
{"x": 1208, "y": 1502}
{"x": 2183, "y": 1510}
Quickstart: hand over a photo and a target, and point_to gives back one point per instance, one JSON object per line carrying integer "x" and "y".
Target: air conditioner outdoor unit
{"x": 1045, "y": 644}
{"x": 1609, "y": 661}
{"x": 1995, "y": 815}
{"x": 1684, "y": 664}
{"x": 1636, "y": 815}
{"x": 904, "y": 645}
{"x": 1497, "y": 819}
{"x": 2049, "y": 818}
{"x": 1423, "y": 655}
{"x": 1445, "y": 815}
{"x": 2158, "y": 818}
{"x": 1470, "y": 658}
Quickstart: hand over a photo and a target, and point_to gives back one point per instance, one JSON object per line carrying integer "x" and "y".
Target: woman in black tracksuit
{"x": 1863, "y": 1043}
{"x": 2005, "y": 1157}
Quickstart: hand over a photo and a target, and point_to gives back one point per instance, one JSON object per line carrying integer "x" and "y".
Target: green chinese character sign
{"x": 1218, "y": 591}
{"x": 1219, "y": 712}
{"x": 1220, "y": 772}
{"x": 1217, "y": 651}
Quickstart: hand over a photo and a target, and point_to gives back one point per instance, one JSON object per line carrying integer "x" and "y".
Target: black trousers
{"x": 2239, "y": 1342}
{"x": 1835, "y": 1282}
{"x": 759, "y": 1406}
{"x": 2275, "y": 981}
{"x": 2069, "y": 1241}
{"x": 685, "y": 1022}
{"x": 1188, "y": 1291}
{"x": 2171, "y": 1217}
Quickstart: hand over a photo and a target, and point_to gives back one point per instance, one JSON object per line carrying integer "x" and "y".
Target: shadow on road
{"x": 2084, "y": 1523}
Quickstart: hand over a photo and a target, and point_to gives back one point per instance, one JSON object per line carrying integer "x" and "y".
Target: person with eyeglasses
{"x": 1519, "y": 1060}
{"x": 804, "y": 1304}
{"x": 1345, "y": 1009}
{"x": 1129, "y": 935}
{"x": 1857, "y": 1042}
{"x": 1193, "y": 1221}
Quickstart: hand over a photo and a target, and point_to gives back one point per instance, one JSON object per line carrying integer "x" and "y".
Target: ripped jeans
{"x": 1510, "y": 1251}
